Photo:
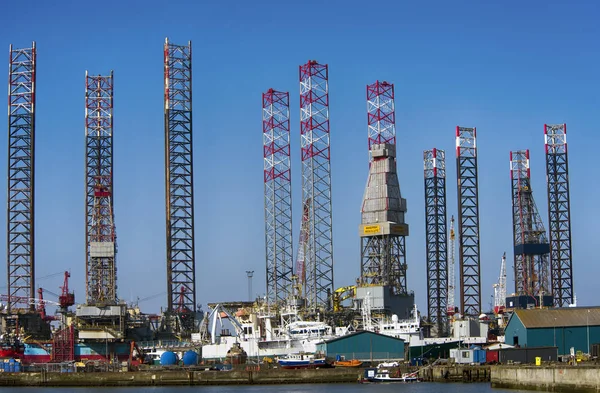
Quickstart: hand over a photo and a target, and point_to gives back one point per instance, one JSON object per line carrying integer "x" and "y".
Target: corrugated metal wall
{"x": 366, "y": 346}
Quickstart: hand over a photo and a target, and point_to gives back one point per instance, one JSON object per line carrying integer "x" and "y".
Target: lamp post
{"x": 587, "y": 323}
{"x": 554, "y": 331}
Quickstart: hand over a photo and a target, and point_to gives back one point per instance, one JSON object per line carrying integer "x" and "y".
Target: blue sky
{"x": 505, "y": 67}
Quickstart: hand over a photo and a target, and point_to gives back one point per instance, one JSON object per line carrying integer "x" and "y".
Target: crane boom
{"x": 451, "y": 270}
{"x": 500, "y": 288}
{"x": 302, "y": 245}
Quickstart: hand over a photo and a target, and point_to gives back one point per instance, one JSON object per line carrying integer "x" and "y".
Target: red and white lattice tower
{"x": 381, "y": 113}
{"x": 101, "y": 269}
{"x": 278, "y": 194}
{"x": 316, "y": 182}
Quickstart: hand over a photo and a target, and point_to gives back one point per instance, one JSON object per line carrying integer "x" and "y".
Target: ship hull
{"x": 297, "y": 364}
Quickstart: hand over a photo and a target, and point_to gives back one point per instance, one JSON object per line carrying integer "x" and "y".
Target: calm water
{"x": 424, "y": 387}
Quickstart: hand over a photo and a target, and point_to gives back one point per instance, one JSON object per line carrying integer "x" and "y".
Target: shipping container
{"x": 527, "y": 355}
{"x": 491, "y": 357}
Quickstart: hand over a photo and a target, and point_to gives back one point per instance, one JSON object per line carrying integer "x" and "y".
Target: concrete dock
{"x": 549, "y": 378}
{"x": 182, "y": 377}
{"x": 456, "y": 373}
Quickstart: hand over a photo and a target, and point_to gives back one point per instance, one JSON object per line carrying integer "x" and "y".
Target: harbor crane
{"x": 500, "y": 289}
{"x": 451, "y": 270}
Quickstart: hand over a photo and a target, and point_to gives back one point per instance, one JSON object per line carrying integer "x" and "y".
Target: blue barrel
{"x": 11, "y": 367}
{"x": 17, "y": 367}
{"x": 168, "y": 359}
{"x": 190, "y": 358}
{"x": 6, "y": 367}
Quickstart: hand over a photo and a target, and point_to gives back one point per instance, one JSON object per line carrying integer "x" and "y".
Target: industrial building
{"x": 565, "y": 328}
{"x": 365, "y": 346}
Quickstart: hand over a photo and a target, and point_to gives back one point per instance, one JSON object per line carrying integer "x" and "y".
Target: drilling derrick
{"x": 278, "y": 194}
{"x": 559, "y": 213}
{"x": 101, "y": 277}
{"x": 316, "y": 183}
{"x": 532, "y": 271}
{"x": 468, "y": 221}
{"x": 436, "y": 239}
{"x": 21, "y": 153}
{"x": 383, "y": 229}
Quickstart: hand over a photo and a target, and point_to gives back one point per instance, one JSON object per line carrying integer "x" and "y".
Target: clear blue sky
{"x": 505, "y": 67}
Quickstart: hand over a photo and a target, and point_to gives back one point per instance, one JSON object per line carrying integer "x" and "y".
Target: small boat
{"x": 348, "y": 363}
{"x": 302, "y": 360}
{"x": 383, "y": 375}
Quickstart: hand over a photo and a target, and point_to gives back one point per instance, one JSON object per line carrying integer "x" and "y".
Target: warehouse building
{"x": 565, "y": 328}
{"x": 365, "y": 346}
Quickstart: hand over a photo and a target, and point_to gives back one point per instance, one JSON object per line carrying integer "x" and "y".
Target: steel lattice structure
{"x": 436, "y": 238}
{"x": 559, "y": 213}
{"x": 381, "y": 114}
{"x": 532, "y": 271}
{"x": 21, "y": 154}
{"x": 181, "y": 276}
{"x": 383, "y": 231}
{"x": 278, "y": 194}
{"x": 101, "y": 269}
{"x": 468, "y": 221}
{"x": 316, "y": 182}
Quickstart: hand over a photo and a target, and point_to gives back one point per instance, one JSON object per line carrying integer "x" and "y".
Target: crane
{"x": 451, "y": 271}
{"x": 302, "y": 245}
{"x": 500, "y": 289}
{"x": 342, "y": 294}
{"x": 66, "y": 298}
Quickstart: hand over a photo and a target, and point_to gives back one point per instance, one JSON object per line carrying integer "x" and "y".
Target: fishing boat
{"x": 302, "y": 360}
{"x": 348, "y": 363}
{"x": 384, "y": 375}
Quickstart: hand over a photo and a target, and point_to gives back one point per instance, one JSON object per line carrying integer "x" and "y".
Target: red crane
{"x": 66, "y": 298}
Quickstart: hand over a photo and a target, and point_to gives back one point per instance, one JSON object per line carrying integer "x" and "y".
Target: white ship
{"x": 257, "y": 336}
{"x": 408, "y": 330}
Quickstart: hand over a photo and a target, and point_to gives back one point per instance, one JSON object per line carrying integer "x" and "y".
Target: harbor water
{"x": 424, "y": 387}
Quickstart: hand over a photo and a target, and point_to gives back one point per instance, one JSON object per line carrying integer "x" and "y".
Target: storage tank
{"x": 190, "y": 358}
{"x": 168, "y": 359}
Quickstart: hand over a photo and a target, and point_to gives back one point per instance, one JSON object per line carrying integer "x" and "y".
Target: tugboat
{"x": 302, "y": 360}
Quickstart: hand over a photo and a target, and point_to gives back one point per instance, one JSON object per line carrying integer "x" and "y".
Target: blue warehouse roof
{"x": 559, "y": 317}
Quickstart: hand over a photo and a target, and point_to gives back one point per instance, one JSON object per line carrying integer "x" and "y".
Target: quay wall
{"x": 549, "y": 378}
{"x": 456, "y": 373}
{"x": 181, "y": 377}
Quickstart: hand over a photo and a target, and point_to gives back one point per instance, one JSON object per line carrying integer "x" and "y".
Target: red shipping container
{"x": 491, "y": 357}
